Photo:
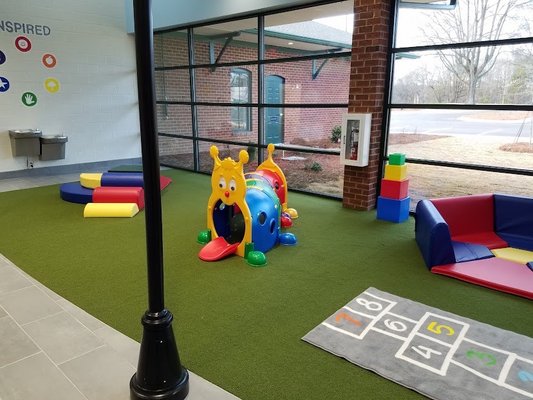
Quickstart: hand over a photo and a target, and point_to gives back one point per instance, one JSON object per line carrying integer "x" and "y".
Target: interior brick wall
{"x": 366, "y": 95}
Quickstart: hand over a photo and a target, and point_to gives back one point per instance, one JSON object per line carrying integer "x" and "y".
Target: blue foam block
{"x": 128, "y": 179}
{"x": 393, "y": 210}
{"x": 470, "y": 251}
{"x": 513, "y": 220}
{"x": 75, "y": 193}
{"x": 530, "y": 265}
{"x": 432, "y": 235}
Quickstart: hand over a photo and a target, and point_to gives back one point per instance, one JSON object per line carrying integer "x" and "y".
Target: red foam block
{"x": 164, "y": 181}
{"x": 114, "y": 194}
{"x": 396, "y": 190}
{"x": 495, "y": 273}
{"x": 467, "y": 214}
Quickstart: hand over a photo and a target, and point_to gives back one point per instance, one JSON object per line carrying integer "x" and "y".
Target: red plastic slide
{"x": 217, "y": 249}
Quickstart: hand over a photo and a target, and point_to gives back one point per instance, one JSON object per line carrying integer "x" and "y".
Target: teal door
{"x": 274, "y": 92}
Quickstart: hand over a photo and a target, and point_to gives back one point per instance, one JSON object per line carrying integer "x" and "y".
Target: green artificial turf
{"x": 238, "y": 326}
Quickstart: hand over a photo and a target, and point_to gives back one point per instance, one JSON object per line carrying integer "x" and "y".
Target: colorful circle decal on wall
{"x": 29, "y": 99}
{"x": 22, "y": 43}
{"x": 2, "y": 57}
{"x": 4, "y": 84}
{"x": 51, "y": 85}
{"x": 49, "y": 60}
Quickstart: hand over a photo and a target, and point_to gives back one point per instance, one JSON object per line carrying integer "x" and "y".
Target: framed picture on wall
{"x": 355, "y": 139}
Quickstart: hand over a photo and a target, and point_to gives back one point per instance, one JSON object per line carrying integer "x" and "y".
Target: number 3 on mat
{"x": 348, "y": 318}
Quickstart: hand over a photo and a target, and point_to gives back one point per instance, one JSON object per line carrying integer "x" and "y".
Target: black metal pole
{"x": 159, "y": 371}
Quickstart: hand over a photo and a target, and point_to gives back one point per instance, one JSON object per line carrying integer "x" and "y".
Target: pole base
{"x": 179, "y": 392}
{"x": 160, "y": 375}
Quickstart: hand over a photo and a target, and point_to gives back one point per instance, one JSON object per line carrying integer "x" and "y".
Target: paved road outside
{"x": 460, "y": 122}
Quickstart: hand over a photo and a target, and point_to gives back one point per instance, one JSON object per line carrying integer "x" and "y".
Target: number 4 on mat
{"x": 425, "y": 352}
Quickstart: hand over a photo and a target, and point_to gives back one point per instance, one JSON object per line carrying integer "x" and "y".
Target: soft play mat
{"x": 436, "y": 353}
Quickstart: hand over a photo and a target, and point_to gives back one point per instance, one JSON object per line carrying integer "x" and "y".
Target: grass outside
{"x": 324, "y": 173}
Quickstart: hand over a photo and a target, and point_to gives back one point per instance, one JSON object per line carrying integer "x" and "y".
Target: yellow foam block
{"x": 395, "y": 172}
{"x": 90, "y": 181}
{"x": 127, "y": 210}
{"x": 512, "y": 254}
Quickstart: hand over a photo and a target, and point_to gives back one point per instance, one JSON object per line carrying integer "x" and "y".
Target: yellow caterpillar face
{"x": 227, "y": 180}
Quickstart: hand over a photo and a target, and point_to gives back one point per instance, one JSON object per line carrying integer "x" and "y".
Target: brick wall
{"x": 367, "y": 83}
{"x": 331, "y": 86}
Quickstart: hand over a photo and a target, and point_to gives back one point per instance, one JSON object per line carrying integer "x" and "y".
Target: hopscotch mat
{"x": 438, "y": 354}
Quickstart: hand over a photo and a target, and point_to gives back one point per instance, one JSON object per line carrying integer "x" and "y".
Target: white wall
{"x": 171, "y": 13}
{"x": 96, "y": 106}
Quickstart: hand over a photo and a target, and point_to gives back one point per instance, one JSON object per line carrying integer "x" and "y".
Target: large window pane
{"x": 170, "y": 49}
{"x": 226, "y": 42}
{"x": 172, "y": 85}
{"x": 226, "y": 150}
{"x": 174, "y": 119}
{"x": 310, "y": 81}
{"x": 312, "y": 127}
{"x": 426, "y": 181}
{"x": 495, "y": 138}
{"x": 176, "y": 152}
{"x": 215, "y": 85}
{"x": 311, "y": 172}
{"x": 309, "y": 31}
{"x": 470, "y": 21}
{"x": 215, "y": 122}
{"x": 479, "y": 75}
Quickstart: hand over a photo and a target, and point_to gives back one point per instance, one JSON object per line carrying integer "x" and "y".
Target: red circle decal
{"x": 23, "y": 44}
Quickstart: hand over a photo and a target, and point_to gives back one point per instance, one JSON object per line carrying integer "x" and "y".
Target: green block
{"x": 397, "y": 159}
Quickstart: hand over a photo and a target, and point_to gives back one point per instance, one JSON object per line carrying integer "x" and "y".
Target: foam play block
{"x": 512, "y": 254}
{"x": 165, "y": 181}
{"x": 113, "y": 194}
{"x": 394, "y": 189}
{"x": 495, "y": 273}
{"x": 513, "y": 220}
{"x": 125, "y": 210}
{"x": 396, "y": 159}
{"x": 395, "y": 172}
{"x": 131, "y": 179}
{"x": 393, "y": 210}
{"x": 127, "y": 168}
{"x": 468, "y": 252}
{"x": 91, "y": 180}
{"x": 73, "y": 192}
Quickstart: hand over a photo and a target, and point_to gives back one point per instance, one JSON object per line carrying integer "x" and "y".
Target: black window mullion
{"x": 260, "y": 86}
{"x": 194, "y": 111}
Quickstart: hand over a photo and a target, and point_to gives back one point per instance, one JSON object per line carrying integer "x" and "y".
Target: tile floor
{"x": 52, "y": 350}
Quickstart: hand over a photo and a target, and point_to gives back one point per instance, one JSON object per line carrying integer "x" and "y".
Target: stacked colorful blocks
{"x": 394, "y": 200}
{"x": 109, "y": 194}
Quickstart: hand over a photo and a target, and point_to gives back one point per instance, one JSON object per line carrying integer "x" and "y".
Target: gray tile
{"x": 14, "y": 343}
{"x": 200, "y": 389}
{"x": 36, "y": 378}
{"x": 126, "y": 347}
{"x": 85, "y": 318}
{"x": 53, "y": 295}
{"x": 62, "y": 337}
{"x": 28, "y": 304}
{"x": 100, "y": 374}
{"x": 2, "y": 312}
{"x": 11, "y": 279}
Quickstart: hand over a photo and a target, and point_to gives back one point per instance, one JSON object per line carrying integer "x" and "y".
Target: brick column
{"x": 367, "y": 86}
